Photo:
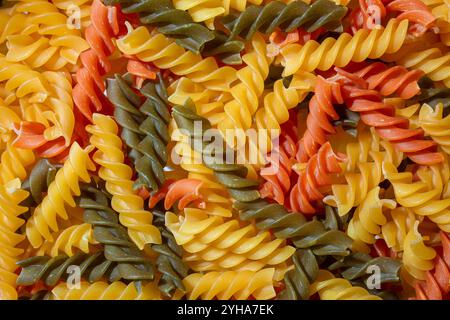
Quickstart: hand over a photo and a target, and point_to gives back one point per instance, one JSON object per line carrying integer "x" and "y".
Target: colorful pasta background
{"x": 342, "y": 193}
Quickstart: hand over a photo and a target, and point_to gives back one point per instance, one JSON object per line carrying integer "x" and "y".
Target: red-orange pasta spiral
{"x": 185, "y": 192}
{"x": 88, "y": 92}
{"x": 395, "y": 129}
{"x": 388, "y": 81}
{"x": 277, "y": 174}
{"x": 437, "y": 284}
{"x": 307, "y": 191}
{"x": 416, "y": 12}
{"x": 318, "y": 122}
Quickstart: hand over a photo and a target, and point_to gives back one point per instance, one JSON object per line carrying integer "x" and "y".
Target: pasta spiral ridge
{"x": 50, "y": 270}
{"x": 141, "y": 43}
{"x": 170, "y": 22}
{"x": 391, "y": 80}
{"x": 436, "y": 286}
{"x": 330, "y": 288}
{"x": 368, "y": 218}
{"x": 225, "y": 245}
{"x": 129, "y": 262}
{"x": 436, "y": 125}
{"x": 78, "y": 236}
{"x": 144, "y": 127}
{"x": 118, "y": 175}
{"x": 339, "y": 52}
{"x": 10, "y": 198}
{"x": 424, "y": 196}
{"x": 297, "y": 281}
{"x": 88, "y": 92}
{"x": 225, "y": 285}
{"x": 318, "y": 122}
{"x": 60, "y": 192}
{"x": 395, "y": 129}
{"x": 103, "y": 291}
{"x": 306, "y": 192}
{"x": 14, "y": 163}
{"x": 170, "y": 260}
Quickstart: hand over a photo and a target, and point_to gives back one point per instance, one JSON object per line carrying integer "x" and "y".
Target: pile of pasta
{"x": 105, "y": 195}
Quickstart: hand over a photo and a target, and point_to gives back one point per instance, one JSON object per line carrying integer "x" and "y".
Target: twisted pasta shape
{"x": 10, "y": 198}
{"x": 436, "y": 285}
{"x": 401, "y": 220}
{"x": 128, "y": 262}
{"x": 60, "y": 192}
{"x": 62, "y": 45}
{"x": 305, "y": 194}
{"x": 363, "y": 170}
{"x": 367, "y": 219}
{"x": 436, "y": 125}
{"x": 170, "y": 260}
{"x": 205, "y": 10}
{"x": 144, "y": 127}
{"x": 339, "y": 52}
{"x": 439, "y": 8}
{"x": 417, "y": 257}
{"x": 214, "y": 244}
{"x": 246, "y": 93}
{"x": 72, "y": 6}
{"x": 424, "y": 196}
{"x": 14, "y": 163}
{"x": 78, "y": 236}
{"x": 318, "y": 122}
{"x": 231, "y": 284}
{"x": 104, "y": 291}
{"x": 277, "y": 103}
{"x": 431, "y": 60}
{"x": 88, "y": 92}
{"x": 171, "y": 22}
{"x": 330, "y": 288}
{"x": 147, "y": 46}
{"x": 118, "y": 181}
{"x": 22, "y": 81}
{"x": 392, "y": 80}
{"x": 93, "y": 267}
{"x": 395, "y": 129}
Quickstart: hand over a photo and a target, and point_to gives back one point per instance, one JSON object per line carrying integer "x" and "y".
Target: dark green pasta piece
{"x": 298, "y": 280}
{"x": 131, "y": 263}
{"x": 177, "y": 24}
{"x": 40, "y": 295}
{"x": 169, "y": 262}
{"x": 267, "y": 18}
{"x": 431, "y": 95}
{"x": 359, "y": 266}
{"x": 92, "y": 267}
{"x": 313, "y": 236}
{"x": 144, "y": 127}
{"x": 40, "y": 177}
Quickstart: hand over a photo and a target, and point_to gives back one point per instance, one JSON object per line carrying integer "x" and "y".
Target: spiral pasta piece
{"x": 417, "y": 257}
{"x": 330, "y": 288}
{"x": 60, "y": 192}
{"x": 104, "y": 291}
{"x": 436, "y": 125}
{"x": 339, "y": 52}
{"x": 14, "y": 163}
{"x": 118, "y": 181}
{"x": 213, "y": 244}
{"x": 363, "y": 170}
{"x": 305, "y": 194}
{"x": 432, "y": 60}
{"x": 423, "y": 196}
{"x": 88, "y": 92}
{"x": 10, "y": 198}
{"x": 231, "y": 284}
{"x": 439, "y": 8}
{"x": 204, "y": 10}
{"x": 75, "y": 7}
{"x": 436, "y": 286}
{"x": 318, "y": 122}
{"x": 367, "y": 219}
{"x": 74, "y": 237}
{"x": 395, "y": 129}
{"x": 392, "y": 80}
{"x": 400, "y": 221}
{"x": 147, "y": 46}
